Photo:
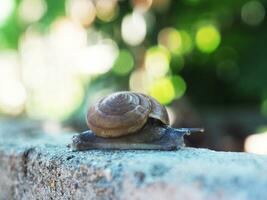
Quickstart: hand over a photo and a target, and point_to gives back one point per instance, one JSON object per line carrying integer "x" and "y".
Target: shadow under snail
{"x": 129, "y": 120}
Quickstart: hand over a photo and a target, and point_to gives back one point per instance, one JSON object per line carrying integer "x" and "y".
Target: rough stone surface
{"x": 39, "y": 166}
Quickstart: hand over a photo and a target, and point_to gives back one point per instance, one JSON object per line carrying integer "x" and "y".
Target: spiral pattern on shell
{"x": 124, "y": 113}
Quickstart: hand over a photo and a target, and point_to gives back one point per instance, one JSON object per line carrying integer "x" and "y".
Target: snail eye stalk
{"x": 188, "y": 131}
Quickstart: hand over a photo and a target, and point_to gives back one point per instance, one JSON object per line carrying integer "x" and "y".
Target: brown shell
{"x": 124, "y": 113}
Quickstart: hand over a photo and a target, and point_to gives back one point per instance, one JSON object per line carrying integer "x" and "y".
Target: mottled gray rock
{"x": 39, "y": 166}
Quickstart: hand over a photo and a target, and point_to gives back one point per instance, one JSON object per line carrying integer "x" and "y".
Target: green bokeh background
{"x": 222, "y": 62}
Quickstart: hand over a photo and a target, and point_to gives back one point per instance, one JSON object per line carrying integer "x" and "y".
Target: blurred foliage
{"x": 211, "y": 51}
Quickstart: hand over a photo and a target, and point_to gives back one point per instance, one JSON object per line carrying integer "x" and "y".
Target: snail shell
{"x": 123, "y": 113}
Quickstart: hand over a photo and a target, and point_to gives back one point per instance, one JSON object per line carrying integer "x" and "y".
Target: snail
{"x": 129, "y": 120}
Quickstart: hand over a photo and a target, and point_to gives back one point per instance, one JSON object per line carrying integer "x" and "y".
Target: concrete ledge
{"x": 39, "y": 166}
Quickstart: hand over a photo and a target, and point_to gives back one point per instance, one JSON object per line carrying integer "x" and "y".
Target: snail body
{"x": 129, "y": 120}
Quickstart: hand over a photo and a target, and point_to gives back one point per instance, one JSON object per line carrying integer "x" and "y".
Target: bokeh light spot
{"x": 106, "y": 10}
{"x": 253, "y": 13}
{"x": 256, "y": 143}
{"x": 140, "y": 81}
{"x": 82, "y": 11}
{"x": 67, "y": 36}
{"x": 31, "y": 10}
{"x": 98, "y": 58}
{"x": 6, "y": 8}
{"x": 171, "y": 39}
{"x": 142, "y": 5}
{"x": 187, "y": 44}
{"x": 12, "y": 97}
{"x": 157, "y": 61}
{"x": 56, "y": 101}
{"x": 178, "y": 42}
{"x": 163, "y": 90}
{"x": 133, "y": 28}
{"x": 208, "y": 39}
{"x": 124, "y": 63}
{"x": 12, "y": 91}
{"x": 179, "y": 86}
